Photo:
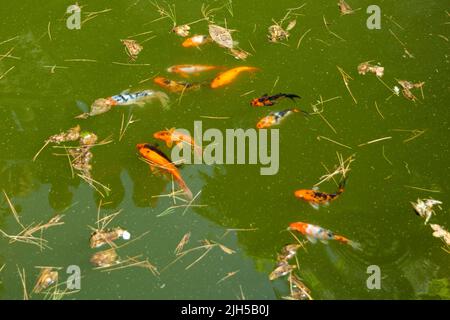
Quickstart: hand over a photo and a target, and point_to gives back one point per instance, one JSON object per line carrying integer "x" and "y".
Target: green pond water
{"x": 374, "y": 210}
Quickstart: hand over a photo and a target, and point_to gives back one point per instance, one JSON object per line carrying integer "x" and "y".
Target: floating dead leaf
{"x": 105, "y": 258}
{"x": 281, "y": 271}
{"x": 132, "y": 48}
{"x": 440, "y": 232}
{"x": 102, "y": 237}
{"x": 46, "y": 278}
{"x": 365, "y": 67}
{"x": 222, "y": 36}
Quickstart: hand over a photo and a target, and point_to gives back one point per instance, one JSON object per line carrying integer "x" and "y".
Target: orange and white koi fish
{"x": 187, "y": 69}
{"x": 158, "y": 160}
{"x": 229, "y": 76}
{"x": 176, "y": 86}
{"x": 316, "y": 198}
{"x": 172, "y": 136}
{"x": 196, "y": 41}
{"x": 275, "y": 118}
{"x": 314, "y": 233}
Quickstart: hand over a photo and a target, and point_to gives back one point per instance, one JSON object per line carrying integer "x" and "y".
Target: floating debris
{"x": 277, "y": 33}
{"x": 105, "y": 258}
{"x": 132, "y": 48}
{"x": 299, "y": 291}
{"x": 82, "y": 156}
{"x": 46, "y": 278}
{"x": 365, "y": 67}
{"x": 440, "y": 232}
{"x": 342, "y": 169}
{"x": 27, "y": 233}
{"x": 424, "y": 208}
{"x": 288, "y": 252}
{"x": 346, "y": 78}
{"x": 239, "y": 54}
{"x": 72, "y": 134}
{"x": 222, "y": 36}
{"x": 182, "y": 243}
{"x": 102, "y": 237}
{"x": 408, "y": 86}
{"x": 281, "y": 270}
{"x": 182, "y": 31}
{"x": 345, "y": 8}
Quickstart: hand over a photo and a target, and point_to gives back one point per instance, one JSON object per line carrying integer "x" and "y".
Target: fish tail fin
{"x": 185, "y": 188}
{"x": 305, "y": 113}
{"x": 291, "y": 96}
{"x": 344, "y": 240}
{"x": 163, "y": 98}
{"x": 355, "y": 245}
{"x": 342, "y": 186}
{"x": 252, "y": 69}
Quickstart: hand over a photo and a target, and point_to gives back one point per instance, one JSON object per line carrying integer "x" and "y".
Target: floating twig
{"x": 6, "y": 72}
{"x": 346, "y": 78}
{"x": 374, "y": 141}
{"x": 123, "y": 128}
{"x": 301, "y": 38}
{"x": 423, "y": 189}
{"x": 386, "y": 158}
{"x": 378, "y": 110}
{"x": 22, "y": 276}
{"x": 229, "y": 275}
{"x": 333, "y": 141}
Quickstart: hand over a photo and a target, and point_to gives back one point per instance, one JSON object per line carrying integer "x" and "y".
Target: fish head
{"x": 298, "y": 226}
{"x": 162, "y": 135}
{"x": 303, "y": 194}
{"x": 265, "y": 122}
{"x": 142, "y": 148}
{"x": 161, "y": 81}
{"x": 256, "y": 103}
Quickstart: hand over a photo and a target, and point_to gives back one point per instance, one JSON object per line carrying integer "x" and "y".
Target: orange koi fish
{"x": 314, "y": 233}
{"x": 187, "y": 69}
{"x": 275, "y": 118}
{"x": 228, "y": 76}
{"x": 171, "y": 136}
{"x": 158, "y": 160}
{"x": 316, "y": 198}
{"x": 175, "y": 86}
{"x": 196, "y": 41}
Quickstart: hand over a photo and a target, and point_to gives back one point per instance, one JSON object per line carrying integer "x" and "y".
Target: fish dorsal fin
{"x": 315, "y": 188}
{"x": 171, "y": 130}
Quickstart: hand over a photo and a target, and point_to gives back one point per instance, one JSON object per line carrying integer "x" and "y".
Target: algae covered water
{"x": 237, "y": 222}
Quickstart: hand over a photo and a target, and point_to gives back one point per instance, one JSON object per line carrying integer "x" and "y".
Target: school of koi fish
{"x": 159, "y": 162}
